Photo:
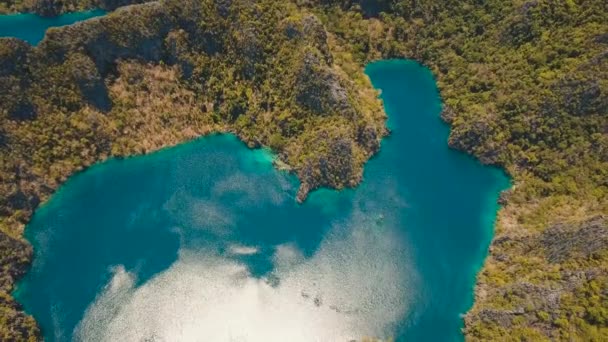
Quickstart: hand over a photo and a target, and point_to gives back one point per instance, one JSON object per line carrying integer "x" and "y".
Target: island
{"x": 524, "y": 86}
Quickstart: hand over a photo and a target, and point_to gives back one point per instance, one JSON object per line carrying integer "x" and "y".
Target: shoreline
{"x": 543, "y": 195}
{"x": 233, "y": 136}
{"x": 131, "y": 129}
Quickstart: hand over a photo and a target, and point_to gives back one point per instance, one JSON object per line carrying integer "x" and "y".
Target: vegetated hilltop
{"x": 152, "y": 75}
{"x": 525, "y": 87}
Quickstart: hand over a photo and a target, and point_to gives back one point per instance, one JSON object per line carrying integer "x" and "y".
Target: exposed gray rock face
{"x": 581, "y": 96}
{"x": 501, "y": 317}
{"x": 475, "y": 135}
{"x": 47, "y": 8}
{"x": 367, "y": 136}
{"x": 114, "y": 37}
{"x": 319, "y": 89}
{"x": 562, "y": 241}
{"x": 448, "y": 113}
{"x": 532, "y": 302}
{"x": 315, "y": 33}
{"x": 333, "y": 168}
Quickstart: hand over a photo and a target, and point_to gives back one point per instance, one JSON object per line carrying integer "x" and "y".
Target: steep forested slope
{"x": 152, "y": 75}
{"x": 525, "y": 87}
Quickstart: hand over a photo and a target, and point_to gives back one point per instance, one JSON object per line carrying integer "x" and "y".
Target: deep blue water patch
{"x": 396, "y": 256}
{"x": 31, "y": 28}
{"x": 452, "y": 197}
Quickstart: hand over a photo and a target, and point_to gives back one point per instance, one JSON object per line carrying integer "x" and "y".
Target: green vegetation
{"x": 157, "y": 74}
{"x": 524, "y": 83}
{"x": 525, "y": 87}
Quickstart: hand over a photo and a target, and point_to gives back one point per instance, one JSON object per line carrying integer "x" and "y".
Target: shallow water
{"x": 204, "y": 241}
{"x": 32, "y": 28}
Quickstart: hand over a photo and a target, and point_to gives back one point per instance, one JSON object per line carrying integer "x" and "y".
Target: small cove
{"x": 205, "y": 240}
{"x": 31, "y": 28}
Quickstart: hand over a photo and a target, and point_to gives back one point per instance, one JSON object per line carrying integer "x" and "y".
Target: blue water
{"x": 31, "y": 28}
{"x": 205, "y": 241}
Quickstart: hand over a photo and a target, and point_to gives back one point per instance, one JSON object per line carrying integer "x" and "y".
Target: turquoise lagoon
{"x": 31, "y": 28}
{"x": 205, "y": 241}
